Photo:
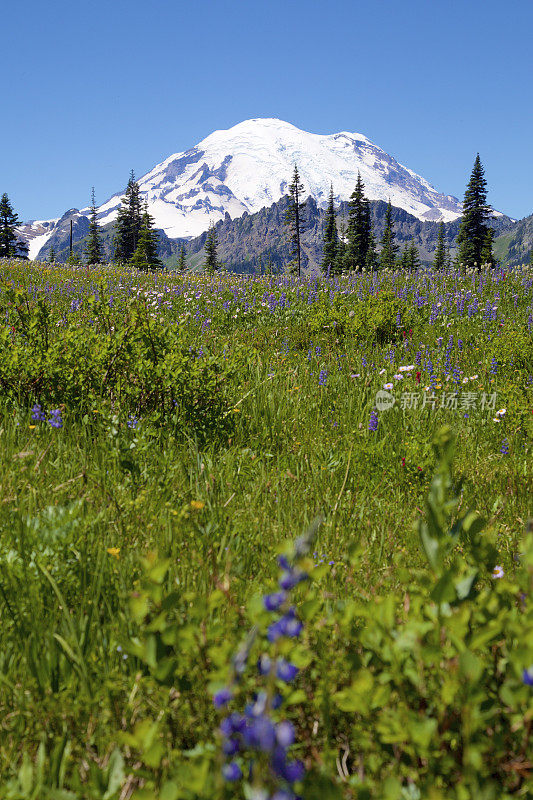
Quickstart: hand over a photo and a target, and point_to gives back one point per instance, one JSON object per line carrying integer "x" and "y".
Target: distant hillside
{"x": 516, "y": 245}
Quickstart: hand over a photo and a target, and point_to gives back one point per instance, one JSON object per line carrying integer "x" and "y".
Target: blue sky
{"x": 95, "y": 89}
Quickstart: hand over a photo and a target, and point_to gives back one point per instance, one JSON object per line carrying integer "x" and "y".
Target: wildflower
{"x": 114, "y": 551}
{"x": 37, "y": 414}
{"x": 286, "y": 671}
{"x": 231, "y": 772}
{"x": 406, "y": 369}
{"x": 498, "y": 572}
{"x": 132, "y": 421}
{"x": 398, "y": 377}
{"x": 222, "y": 697}
{"x": 501, "y": 412}
{"x": 322, "y": 378}
{"x": 527, "y": 676}
{"x": 55, "y": 420}
{"x": 388, "y": 386}
{"x": 373, "y": 422}
{"x": 504, "y": 449}
{"x": 197, "y": 505}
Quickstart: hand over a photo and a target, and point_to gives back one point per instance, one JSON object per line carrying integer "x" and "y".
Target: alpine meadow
{"x": 266, "y": 412}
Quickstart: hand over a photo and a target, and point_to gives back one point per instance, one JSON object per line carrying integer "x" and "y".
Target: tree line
{"x": 354, "y": 248}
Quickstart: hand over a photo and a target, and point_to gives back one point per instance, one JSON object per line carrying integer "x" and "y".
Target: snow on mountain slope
{"x": 36, "y": 234}
{"x": 250, "y": 166}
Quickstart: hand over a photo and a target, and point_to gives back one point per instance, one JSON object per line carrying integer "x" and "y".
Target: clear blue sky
{"x": 91, "y": 90}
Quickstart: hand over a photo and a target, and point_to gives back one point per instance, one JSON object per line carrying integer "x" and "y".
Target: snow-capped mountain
{"x": 250, "y": 166}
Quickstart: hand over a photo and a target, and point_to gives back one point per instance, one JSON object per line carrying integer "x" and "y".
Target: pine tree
{"x": 145, "y": 255}
{"x": 439, "y": 260}
{"x": 182, "y": 260}
{"x": 487, "y": 255}
{"x": 331, "y": 237}
{"x": 389, "y": 248}
{"x": 413, "y": 258}
{"x": 128, "y": 224}
{"x": 473, "y": 229}
{"x": 93, "y": 248}
{"x": 359, "y": 227}
{"x": 371, "y": 259}
{"x": 10, "y": 245}
{"x": 211, "y": 244}
{"x": 52, "y": 255}
{"x": 294, "y": 216}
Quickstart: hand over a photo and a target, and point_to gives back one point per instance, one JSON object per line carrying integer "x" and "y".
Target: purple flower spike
{"x": 286, "y": 671}
{"x": 274, "y": 601}
{"x": 231, "y": 772}
{"x": 285, "y": 733}
{"x": 527, "y": 676}
{"x": 222, "y": 697}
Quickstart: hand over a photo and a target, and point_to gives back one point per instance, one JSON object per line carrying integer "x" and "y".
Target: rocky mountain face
{"x": 250, "y": 242}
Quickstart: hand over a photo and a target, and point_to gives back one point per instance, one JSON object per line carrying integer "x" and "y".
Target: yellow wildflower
{"x": 114, "y": 551}
{"x": 197, "y": 505}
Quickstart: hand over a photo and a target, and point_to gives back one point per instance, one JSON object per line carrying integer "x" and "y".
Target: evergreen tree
{"x": 145, "y": 255}
{"x": 487, "y": 256}
{"x": 389, "y": 248}
{"x": 473, "y": 229}
{"x": 10, "y": 245}
{"x": 128, "y": 224}
{"x": 439, "y": 260}
{"x": 371, "y": 258}
{"x": 331, "y": 237}
{"x": 531, "y": 258}
{"x": 294, "y": 216}
{"x": 182, "y": 261}
{"x": 93, "y": 248}
{"x": 211, "y": 244}
{"x": 52, "y": 255}
{"x": 359, "y": 227}
{"x": 74, "y": 259}
{"x": 413, "y": 257}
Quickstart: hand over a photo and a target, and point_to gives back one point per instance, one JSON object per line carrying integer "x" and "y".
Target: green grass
{"x": 76, "y": 516}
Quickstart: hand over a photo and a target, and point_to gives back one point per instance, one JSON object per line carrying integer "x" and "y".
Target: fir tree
{"x": 371, "y": 258}
{"x": 359, "y": 227}
{"x": 10, "y": 245}
{"x": 294, "y": 216}
{"x": 473, "y": 229}
{"x": 331, "y": 237}
{"x": 145, "y": 255}
{"x": 182, "y": 260}
{"x": 439, "y": 260}
{"x": 389, "y": 248}
{"x": 413, "y": 257}
{"x": 93, "y": 248}
{"x": 74, "y": 259}
{"x": 128, "y": 224}
{"x": 487, "y": 255}
{"x": 211, "y": 244}
{"x": 52, "y": 255}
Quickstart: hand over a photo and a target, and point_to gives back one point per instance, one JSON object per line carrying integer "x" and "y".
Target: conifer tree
{"x": 10, "y": 245}
{"x": 211, "y": 244}
{"x": 145, "y": 255}
{"x": 439, "y": 260}
{"x": 182, "y": 261}
{"x": 531, "y": 257}
{"x": 413, "y": 257}
{"x": 93, "y": 248}
{"x": 128, "y": 224}
{"x": 473, "y": 229}
{"x": 487, "y": 255}
{"x": 294, "y": 216}
{"x": 371, "y": 258}
{"x": 74, "y": 259}
{"x": 331, "y": 237}
{"x": 359, "y": 227}
{"x": 389, "y": 248}
{"x": 52, "y": 255}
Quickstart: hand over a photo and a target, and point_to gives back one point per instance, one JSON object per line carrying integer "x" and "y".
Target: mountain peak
{"x": 249, "y": 166}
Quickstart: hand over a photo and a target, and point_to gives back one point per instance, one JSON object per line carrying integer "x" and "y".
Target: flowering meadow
{"x": 265, "y": 537}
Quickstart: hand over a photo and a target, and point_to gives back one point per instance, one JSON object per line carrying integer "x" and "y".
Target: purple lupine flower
{"x": 527, "y": 676}
{"x": 373, "y": 422}
{"x": 323, "y": 377}
{"x": 132, "y": 421}
{"x": 286, "y": 671}
{"x": 285, "y": 733}
{"x": 231, "y": 772}
{"x": 55, "y": 420}
{"x": 37, "y": 413}
{"x": 274, "y": 601}
{"x": 222, "y": 697}
{"x": 504, "y": 449}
